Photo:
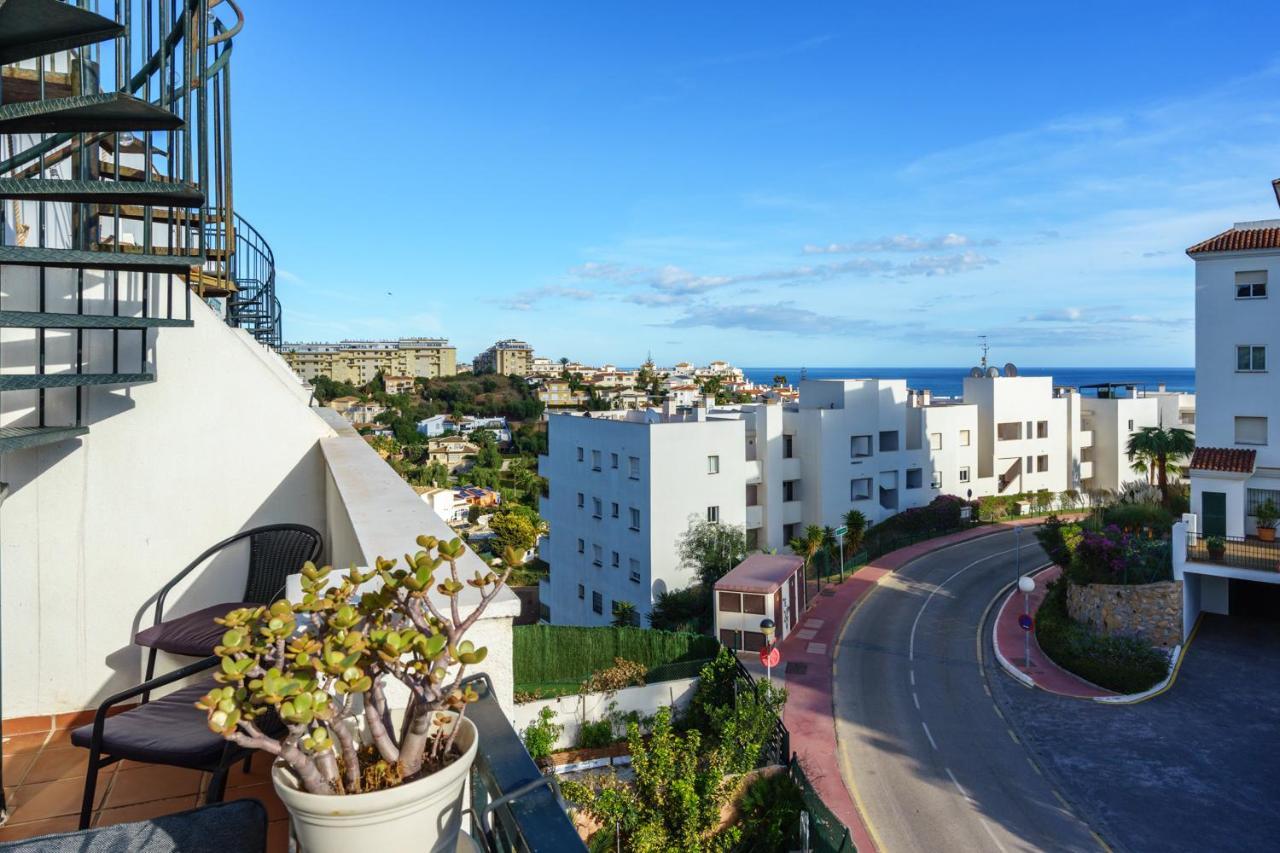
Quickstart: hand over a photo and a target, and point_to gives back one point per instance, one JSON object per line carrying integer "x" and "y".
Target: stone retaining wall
{"x": 1152, "y": 611}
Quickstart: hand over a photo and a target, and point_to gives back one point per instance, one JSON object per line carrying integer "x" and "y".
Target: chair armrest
{"x": 100, "y": 716}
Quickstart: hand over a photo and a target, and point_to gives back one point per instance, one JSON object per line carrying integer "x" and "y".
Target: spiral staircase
{"x": 115, "y": 200}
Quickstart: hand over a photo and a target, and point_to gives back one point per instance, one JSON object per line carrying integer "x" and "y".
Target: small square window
{"x": 964, "y": 474}
{"x": 595, "y": 460}
{"x": 915, "y": 478}
{"x": 1042, "y": 429}
{"x": 613, "y": 460}
{"x": 713, "y": 514}
{"x": 1251, "y": 359}
{"x": 582, "y": 592}
{"x": 597, "y": 555}
{"x": 635, "y": 518}
{"x": 790, "y": 490}
{"x": 935, "y": 480}
{"x": 613, "y": 509}
{"x": 964, "y": 438}
{"x": 1251, "y": 430}
{"x": 1042, "y": 463}
{"x": 582, "y": 500}
{"x": 860, "y": 489}
{"x": 859, "y": 446}
{"x": 615, "y": 559}
{"x": 580, "y": 454}
{"x": 935, "y": 441}
{"x": 1251, "y": 285}
{"x": 597, "y": 602}
{"x": 633, "y": 467}
{"x": 582, "y": 546}
{"x": 888, "y": 440}
{"x": 634, "y": 571}
{"x": 713, "y": 464}
{"x": 597, "y": 508}
{"x": 788, "y": 446}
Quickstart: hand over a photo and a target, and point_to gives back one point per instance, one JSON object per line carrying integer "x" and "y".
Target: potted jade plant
{"x": 308, "y": 683}
{"x": 1217, "y": 547}
{"x": 1267, "y": 514}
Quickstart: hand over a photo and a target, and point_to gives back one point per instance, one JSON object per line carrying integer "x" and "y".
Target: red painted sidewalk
{"x": 809, "y": 713}
{"x": 1010, "y": 642}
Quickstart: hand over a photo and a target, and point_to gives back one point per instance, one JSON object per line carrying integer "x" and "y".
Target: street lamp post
{"x": 767, "y": 628}
{"x": 1028, "y": 585}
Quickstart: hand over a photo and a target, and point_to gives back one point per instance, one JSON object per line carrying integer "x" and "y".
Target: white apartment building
{"x": 867, "y": 444}
{"x": 622, "y": 490}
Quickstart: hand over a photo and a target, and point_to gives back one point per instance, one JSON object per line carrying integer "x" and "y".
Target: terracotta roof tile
{"x": 1239, "y": 240}
{"x": 1230, "y": 459}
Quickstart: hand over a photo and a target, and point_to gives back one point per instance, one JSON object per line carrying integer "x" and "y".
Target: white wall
{"x": 93, "y": 527}
{"x": 1110, "y": 419}
{"x": 573, "y": 711}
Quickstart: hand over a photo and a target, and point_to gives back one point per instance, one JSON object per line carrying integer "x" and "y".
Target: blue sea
{"x": 949, "y": 381}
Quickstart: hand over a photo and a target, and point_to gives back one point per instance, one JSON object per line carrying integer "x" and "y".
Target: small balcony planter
{"x": 1267, "y": 514}
{"x": 305, "y": 681}
{"x": 1217, "y": 547}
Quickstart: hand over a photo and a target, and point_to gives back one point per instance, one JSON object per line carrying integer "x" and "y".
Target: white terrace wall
{"x": 573, "y": 711}
{"x": 93, "y": 527}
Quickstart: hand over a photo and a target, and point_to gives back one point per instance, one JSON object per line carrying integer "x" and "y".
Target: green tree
{"x": 513, "y": 530}
{"x": 855, "y": 524}
{"x": 808, "y": 545}
{"x": 779, "y": 380}
{"x": 1161, "y": 449}
{"x": 625, "y": 615}
{"x": 711, "y": 549}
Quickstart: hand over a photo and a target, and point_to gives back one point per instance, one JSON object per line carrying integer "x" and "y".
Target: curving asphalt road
{"x": 932, "y": 761}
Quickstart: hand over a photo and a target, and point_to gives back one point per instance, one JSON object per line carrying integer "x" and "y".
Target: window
{"x": 713, "y": 464}
{"x": 1130, "y": 425}
{"x": 613, "y": 460}
{"x": 613, "y": 509}
{"x": 888, "y": 440}
{"x": 633, "y": 467}
{"x": 582, "y": 546}
{"x": 1009, "y": 431}
{"x": 1251, "y": 430}
{"x": 964, "y": 474}
{"x": 935, "y": 480}
{"x": 790, "y": 531}
{"x": 597, "y": 508}
{"x": 1251, "y": 359}
{"x": 1257, "y": 497}
{"x": 788, "y": 446}
{"x": 635, "y": 518}
{"x": 790, "y": 490}
{"x": 580, "y": 454}
{"x": 597, "y": 556}
{"x": 582, "y": 500}
{"x": 859, "y": 446}
{"x": 1042, "y": 463}
{"x": 1028, "y": 429}
{"x": 595, "y": 460}
{"x": 1042, "y": 429}
{"x": 713, "y": 514}
{"x": 731, "y": 602}
{"x": 753, "y": 539}
{"x": 615, "y": 559}
{"x": 752, "y": 603}
{"x": 915, "y": 478}
{"x": 1030, "y": 464}
{"x": 935, "y": 441}
{"x": 582, "y": 592}
{"x": 964, "y": 438}
{"x": 1251, "y": 285}
{"x": 597, "y": 602}
{"x": 635, "y": 571}
{"x": 860, "y": 489}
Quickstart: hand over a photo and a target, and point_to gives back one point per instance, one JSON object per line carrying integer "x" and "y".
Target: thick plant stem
{"x": 327, "y": 762}
{"x": 378, "y": 731}
{"x": 413, "y": 748}
{"x": 350, "y": 758}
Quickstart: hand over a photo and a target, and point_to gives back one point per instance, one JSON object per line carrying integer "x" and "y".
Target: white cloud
{"x": 899, "y": 243}
{"x": 527, "y": 299}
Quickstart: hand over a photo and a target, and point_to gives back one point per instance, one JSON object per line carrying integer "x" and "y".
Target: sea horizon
{"x": 949, "y": 381}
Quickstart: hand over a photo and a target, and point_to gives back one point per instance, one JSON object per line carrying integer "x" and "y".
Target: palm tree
{"x": 808, "y": 545}
{"x": 855, "y": 524}
{"x": 1161, "y": 447}
{"x": 829, "y": 545}
{"x": 625, "y": 615}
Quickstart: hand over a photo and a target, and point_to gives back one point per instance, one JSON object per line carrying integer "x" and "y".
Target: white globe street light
{"x": 1028, "y": 585}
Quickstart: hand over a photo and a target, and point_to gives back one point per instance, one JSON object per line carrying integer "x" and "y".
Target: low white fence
{"x": 573, "y": 711}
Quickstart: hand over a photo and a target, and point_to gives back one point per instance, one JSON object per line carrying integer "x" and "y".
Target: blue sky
{"x": 773, "y": 184}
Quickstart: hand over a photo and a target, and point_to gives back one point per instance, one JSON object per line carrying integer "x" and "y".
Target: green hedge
{"x": 1122, "y": 664}
{"x": 564, "y": 654}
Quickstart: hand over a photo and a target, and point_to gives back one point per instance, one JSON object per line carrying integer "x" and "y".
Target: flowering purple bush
{"x": 1115, "y": 556}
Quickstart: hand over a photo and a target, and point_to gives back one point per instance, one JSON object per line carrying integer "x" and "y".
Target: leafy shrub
{"x": 623, "y": 673}
{"x": 941, "y": 515}
{"x": 1116, "y": 557}
{"x": 682, "y": 610}
{"x": 1059, "y": 538}
{"x": 1121, "y": 663}
{"x": 541, "y": 735}
{"x": 769, "y": 813}
{"x": 555, "y": 656}
{"x": 1135, "y": 517}
{"x": 595, "y": 735}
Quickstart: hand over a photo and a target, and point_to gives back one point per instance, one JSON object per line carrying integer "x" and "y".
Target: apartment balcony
{"x": 1239, "y": 552}
{"x": 755, "y": 517}
{"x": 754, "y": 473}
{"x": 792, "y": 512}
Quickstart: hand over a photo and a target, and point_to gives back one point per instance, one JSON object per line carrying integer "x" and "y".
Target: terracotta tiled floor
{"x": 44, "y": 782}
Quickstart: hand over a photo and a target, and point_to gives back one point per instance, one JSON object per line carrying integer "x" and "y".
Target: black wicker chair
{"x": 168, "y": 730}
{"x": 275, "y": 552}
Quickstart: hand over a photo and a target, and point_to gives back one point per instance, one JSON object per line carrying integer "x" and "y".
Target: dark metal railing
{"x": 1238, "y": 551}
{"x": 778, "y": 748}
{"x": 513, "y": 806}
{"x": 251, "y": 265}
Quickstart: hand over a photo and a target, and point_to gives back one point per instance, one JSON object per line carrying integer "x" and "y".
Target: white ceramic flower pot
{"x": 425, "y": 814}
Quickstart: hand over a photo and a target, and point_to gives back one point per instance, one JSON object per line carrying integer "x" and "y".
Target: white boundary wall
{"x": 572, "y": 711}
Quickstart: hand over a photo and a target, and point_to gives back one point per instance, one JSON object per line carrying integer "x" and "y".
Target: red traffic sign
{"x": 770, "y": 656}
{"x": 1025, "y": 622}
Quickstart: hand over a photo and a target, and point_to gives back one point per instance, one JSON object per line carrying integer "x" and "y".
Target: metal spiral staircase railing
{"x": 107, "y": 198}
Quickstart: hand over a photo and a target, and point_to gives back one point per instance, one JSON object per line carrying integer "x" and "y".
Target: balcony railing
{"x": 1237, "y": 551}
{"x": 513, "y": 806}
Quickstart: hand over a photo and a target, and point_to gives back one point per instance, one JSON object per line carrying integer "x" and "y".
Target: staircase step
{"x": 106, "y": 192}
{"x": 103, "y": 112}
{"x": 31, "y": 28}
{"x": 19, "y": 438}
{"x": 29, "y": 381}
{"x": 55, "y": 320}
{"x": 28, "y": 256}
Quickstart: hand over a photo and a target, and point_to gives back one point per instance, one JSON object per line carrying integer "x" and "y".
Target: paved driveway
{"x": 1193, "y": 769}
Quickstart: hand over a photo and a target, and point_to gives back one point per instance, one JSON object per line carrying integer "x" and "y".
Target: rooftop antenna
{"x": 985, "y": 348}
{"x": 1275, "y": 185}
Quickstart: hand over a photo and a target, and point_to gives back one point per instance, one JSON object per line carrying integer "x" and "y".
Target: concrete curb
{"x": 1175, "y": 660}
{"x": 1005, "y": 663}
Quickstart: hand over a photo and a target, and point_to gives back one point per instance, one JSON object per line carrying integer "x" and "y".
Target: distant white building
{"x": 433, "y": 426}
{"x": 866, "y": 444}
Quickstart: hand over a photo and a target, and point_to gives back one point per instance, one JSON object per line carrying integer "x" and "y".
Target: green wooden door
{"x": 1213, "y": 512}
